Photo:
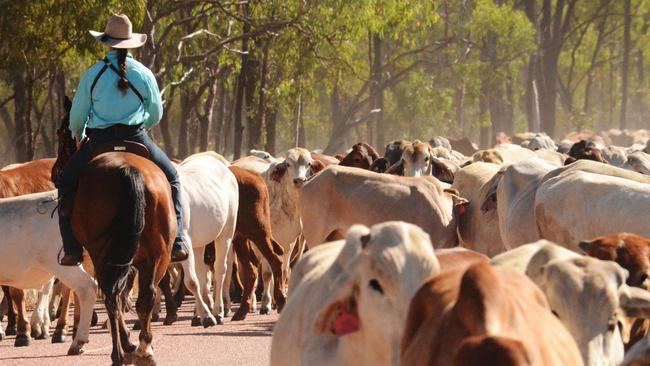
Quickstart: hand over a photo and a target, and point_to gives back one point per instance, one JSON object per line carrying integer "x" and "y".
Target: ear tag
{"x": 461, "y": 209}
{"x": 346, "y": 323}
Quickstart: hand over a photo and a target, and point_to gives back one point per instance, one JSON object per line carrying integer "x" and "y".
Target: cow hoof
{"x": 219, "y": 319}
{"x": 35, "y": 333}
{"x": 226, "y": 312}
{"x": 130, "y": 348}
{"x": 22, "y": 340}
{"x": 209, "y": 322}
{"x": 146, "y": 360}
{"x": 58, "y": 338}
{"x": 239, "y": 315}
{"x": 264, "y": 310}
{"x": 42, "y": 336}
{"x": 129, "y": 357}
{"x": 10, "y": 331}
{"x": 137, "y": 325}
{"x": 196, "y": 321}
{"x": 94, "y": 319}
{"x": 2, "y": 335}
{"x": 155, "y": 317}
{"x": 170, "y": 319}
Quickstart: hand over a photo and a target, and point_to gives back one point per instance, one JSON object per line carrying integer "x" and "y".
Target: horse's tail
{"x": 124, "y": 234}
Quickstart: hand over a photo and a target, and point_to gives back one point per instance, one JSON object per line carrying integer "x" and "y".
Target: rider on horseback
{"x": 117, "y": 99}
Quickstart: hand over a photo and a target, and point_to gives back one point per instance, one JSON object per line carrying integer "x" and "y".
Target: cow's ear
{"x": 315, "y": 167}
{"x": 585, "y": 246}
{"x": 570, "y": 160}
{"x": 379, "y": 166}
{"x": 278, "y": 170}
{"x": 340, "y": 315}
{"x": 634, "y": 301}
{"x": 397, "y": 168}
{"x": 441, "y": 171}
{"x": 460, "y": 203}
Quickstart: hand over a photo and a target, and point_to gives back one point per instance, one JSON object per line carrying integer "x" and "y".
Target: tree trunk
{"x": 22, "y": 117}
{"x": 206, "y": 120}
{"x": 640, "y": 94}
{"x": 271, "y": 120}
{"x": 219, "y": 130}
{"x": 459, "y": 102}
{"x": 164, "y": 125}
{"x": 626, "y": 62}
{"x": 338, "y": 134}
{"x": 484, "y": 132}
{"x": 241, "y": 83}
{"x": 183, "y": 129}
{"x": 378, "y": 91}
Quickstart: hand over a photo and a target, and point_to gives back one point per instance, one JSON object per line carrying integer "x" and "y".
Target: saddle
{"x": 120, "y": 146}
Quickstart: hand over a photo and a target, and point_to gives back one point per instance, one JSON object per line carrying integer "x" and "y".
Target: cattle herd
{"x": 533, "y": 252}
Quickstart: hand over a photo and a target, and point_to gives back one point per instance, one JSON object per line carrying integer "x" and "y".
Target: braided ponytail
{"x": 123, "y": 83}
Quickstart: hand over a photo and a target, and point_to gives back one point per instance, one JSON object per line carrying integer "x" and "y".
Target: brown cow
{"x": 584, "y": 149}
{"x": 254, "y": 224}
{"x": 631, "y": 252}
{"x": 361, "y": 156}
{"x": 484, "y": 313}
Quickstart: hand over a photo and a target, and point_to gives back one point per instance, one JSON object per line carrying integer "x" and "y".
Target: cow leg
{"x": 191, "y": 277}
{"x": 22, "y": 326}
{"x": 220, "y": 268}
{"x": 267, "y": 280}
{"x": 170, "y": 305}
{"x": 272, "y": 252}
{"x": 40, "y": 320}
{"x": 196, "y": 278}
{"x": 11, "y": 312}
{"x": 226, "y": 282}
{"x": 62, "y": 322}
{"x": 56, "y": 299}
{"x": 248, "y": 263}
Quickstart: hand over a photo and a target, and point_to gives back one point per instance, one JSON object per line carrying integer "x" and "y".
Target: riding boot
{"x": 179, "y": 249}
{"x": 73, "y": 253}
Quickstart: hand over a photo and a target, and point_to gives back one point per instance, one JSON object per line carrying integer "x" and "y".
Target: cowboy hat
{"x": 118, "y": 33}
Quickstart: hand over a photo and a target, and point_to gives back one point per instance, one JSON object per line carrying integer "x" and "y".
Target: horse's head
{"x": 67, "y": 143}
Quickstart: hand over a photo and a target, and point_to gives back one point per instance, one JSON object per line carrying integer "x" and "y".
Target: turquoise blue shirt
{"x": 109, "y": 106}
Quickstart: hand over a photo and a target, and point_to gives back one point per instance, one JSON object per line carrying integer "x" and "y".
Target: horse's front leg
{"x": 23, "y": 328}
{"x": 170, "y": 304}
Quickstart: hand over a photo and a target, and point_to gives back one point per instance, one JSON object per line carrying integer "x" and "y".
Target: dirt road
{"x": 234, "y": 343}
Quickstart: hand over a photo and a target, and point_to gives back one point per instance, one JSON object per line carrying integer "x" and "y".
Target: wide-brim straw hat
{"x": 118, "y": 33}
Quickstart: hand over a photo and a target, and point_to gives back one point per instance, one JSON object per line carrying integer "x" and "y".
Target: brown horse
{"x": 124, "y": 217}
{"x": 16, "y": 180}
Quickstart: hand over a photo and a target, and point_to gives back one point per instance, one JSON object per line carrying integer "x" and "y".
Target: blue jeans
{"x": 77, "y": 163}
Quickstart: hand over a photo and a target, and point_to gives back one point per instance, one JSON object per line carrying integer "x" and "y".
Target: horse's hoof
{"x": 264, "y": 310}
{"x": 35, "y": 333}
{"x": 196, "y": 321}
{"x": 10, "y": 330}
{"x": 219, "y": 319}
{"x": 42, "y": 336}
{"x": 94, "y": 319}
{"x": 170, "y": 319}
{"x": 58, "y": 338}
{"x": 155, "y": 317}
{"x": 209, "y": 322}
{"x": 76, "y": 349}
{"x": 137, "y": 325}
{"x": 23, "y": 340}
{"x": 239, "y": 315}
{"x": 226, "y": 312}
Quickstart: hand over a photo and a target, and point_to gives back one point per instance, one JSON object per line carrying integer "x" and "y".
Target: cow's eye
{"x": 426, "y": 158}
{"x": 374, "y": 284}
{"x": 611, "y": 325}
